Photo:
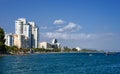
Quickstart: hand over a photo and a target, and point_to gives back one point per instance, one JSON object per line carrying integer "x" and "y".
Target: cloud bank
{"x": 68, "y": 36}
{"x": 76, "y": 36}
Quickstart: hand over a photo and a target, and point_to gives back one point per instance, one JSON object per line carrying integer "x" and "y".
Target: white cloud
{"x": 58, "y": 22}
{"x": 77, "y": 36}
{"x": 68, "y": 36}
{"x": 71, "y": 27}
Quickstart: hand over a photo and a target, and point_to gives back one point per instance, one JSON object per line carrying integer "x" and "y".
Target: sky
{"x": 90, "y": 24}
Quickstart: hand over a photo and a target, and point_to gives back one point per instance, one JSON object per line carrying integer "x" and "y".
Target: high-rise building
{"x": 34, "y": 35}
{"x": 19, "y": 25}
{"x": 19, "y": 41}
{"x": 29, "y": 30}
{"x": 9, "y": 39}
{"x": 27, "y": 33}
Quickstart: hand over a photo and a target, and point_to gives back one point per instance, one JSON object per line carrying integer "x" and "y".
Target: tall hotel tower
{"x": 28, "y": 33}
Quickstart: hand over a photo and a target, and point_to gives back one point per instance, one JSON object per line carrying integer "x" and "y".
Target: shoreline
{"x": 52, "y": 53}
{"x": 49, "y": 53}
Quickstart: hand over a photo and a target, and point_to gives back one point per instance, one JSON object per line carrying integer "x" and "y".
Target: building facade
{"x": 29, "y": 30}
{"x": 34, "y": 35}
{"x": 19, "y": 41}
{"x": 45, "y": 45}
{"x": 26, "y": 34}
{"x": 53, "y": 45}
{"x": 9, "y": 39}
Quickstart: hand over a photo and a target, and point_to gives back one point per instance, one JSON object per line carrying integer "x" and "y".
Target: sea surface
{"x": 61, "y": 63}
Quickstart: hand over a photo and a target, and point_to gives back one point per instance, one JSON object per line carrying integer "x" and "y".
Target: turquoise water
{"x": 62, "y": 63}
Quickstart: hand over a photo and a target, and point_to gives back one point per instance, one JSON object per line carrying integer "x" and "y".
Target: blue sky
{"x": 83, "y": 23}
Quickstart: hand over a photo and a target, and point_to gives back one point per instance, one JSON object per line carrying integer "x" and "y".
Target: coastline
{"x": 51, "y": 53}
{"x": 28, "y": 53}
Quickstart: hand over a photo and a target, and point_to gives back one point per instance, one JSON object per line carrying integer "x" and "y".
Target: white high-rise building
{"x": 29, "y": 30}
{"x": 9, "y": 39}
{"x": 19, "y": 25}
{"x": 35, "y": 35}
{"x": 27, "y": 33}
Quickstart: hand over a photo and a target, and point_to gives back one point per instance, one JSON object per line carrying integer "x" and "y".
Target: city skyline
{"x": 26, "y": 34}
{"x": 84, "y": 23}
{"x": 29, "y": 30}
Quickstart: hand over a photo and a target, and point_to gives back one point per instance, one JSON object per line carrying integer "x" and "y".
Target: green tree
{"x": 2, "y": 42}
{"x": 74, "y": 49}
{"x": 39, "y": 49}
{"x": 66, "y": 49}
{"x": 56, "y": 50}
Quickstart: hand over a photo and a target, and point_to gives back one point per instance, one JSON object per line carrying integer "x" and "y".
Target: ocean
{"x": 61, "y": 63}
